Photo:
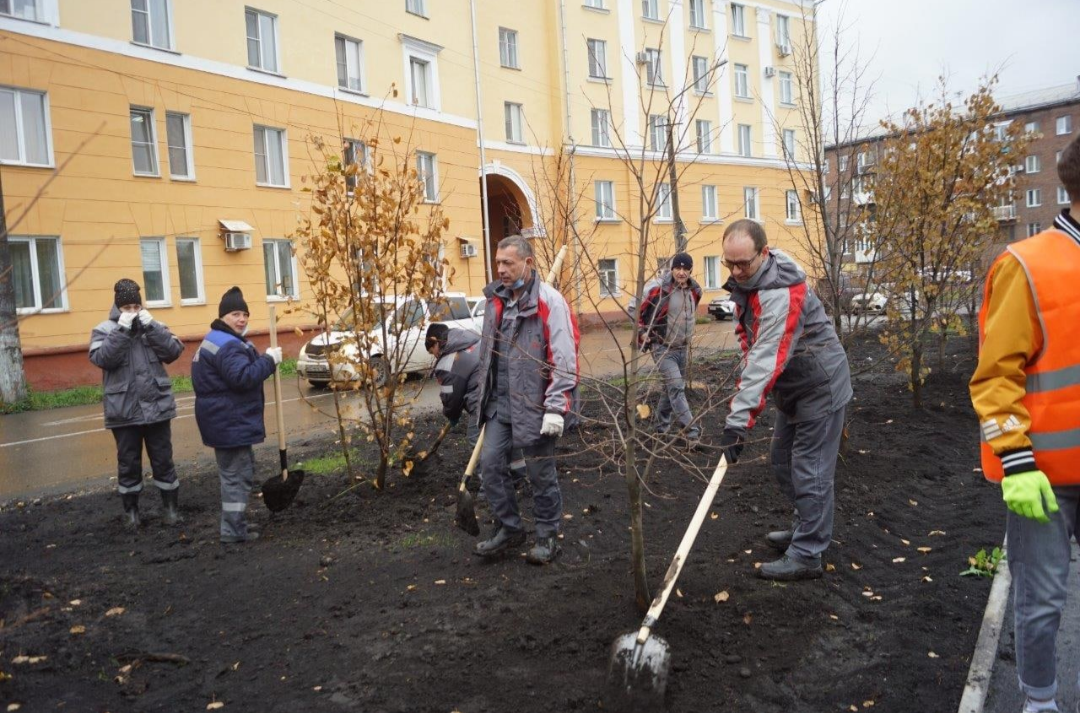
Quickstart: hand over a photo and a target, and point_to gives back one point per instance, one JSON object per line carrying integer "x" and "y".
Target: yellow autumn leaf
{"x": 721, "y": 597}
{"x": 898, "y": 560}
{"x": 830, "y": 567}
{"x": 115, "y": 611}
{"x": 643, "y": 411}
{"x": 214, "y": 705}
{"x": 856, "y": 566}
{"x": 78, "y": 629}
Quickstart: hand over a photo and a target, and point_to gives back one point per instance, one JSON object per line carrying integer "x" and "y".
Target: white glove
{"x": 126, "y": 318}
{"x": 145, "y": 318}
{"x": 275, "y": 354}
{"x": 552, "y": 426}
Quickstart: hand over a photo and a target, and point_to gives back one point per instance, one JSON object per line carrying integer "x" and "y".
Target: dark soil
{"x": 372, "y": 602}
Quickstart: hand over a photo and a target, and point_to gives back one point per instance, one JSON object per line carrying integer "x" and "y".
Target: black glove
{"x": 732, "y": 444}
{"x": 453, "y": 421}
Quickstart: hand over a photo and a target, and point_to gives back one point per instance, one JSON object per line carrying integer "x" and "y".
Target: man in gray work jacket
{"x": 529, "y": 377}
{"x": 790, "y": 349}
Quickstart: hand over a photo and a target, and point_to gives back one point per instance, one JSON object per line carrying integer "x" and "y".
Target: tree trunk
{"x": 12, "y": 375}
{"x": 637, "y": 537}
{"x": 916, "y": 373}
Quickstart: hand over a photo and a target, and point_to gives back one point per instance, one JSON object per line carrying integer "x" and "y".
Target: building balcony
{"x": 1005, "y": 213}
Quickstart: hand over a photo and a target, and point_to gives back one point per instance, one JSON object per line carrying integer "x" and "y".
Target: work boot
{"x": 787, "y": 569}
{"x": 170, "y": 509}
{"x": 544, "y": 551}
{"x": 1047, "y": 706}
{"x": 131, "y": 510}
{"x": 779, "y": 539}
{"x": 500, "y": 541}
{"x": 237, "y": 539}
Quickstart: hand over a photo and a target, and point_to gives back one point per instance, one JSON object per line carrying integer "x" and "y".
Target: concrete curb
{"x": 982, "y": 661}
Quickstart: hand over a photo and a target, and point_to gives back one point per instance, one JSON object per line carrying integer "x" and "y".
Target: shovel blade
{"x": 278, "y": 493}
{"x": 637, "y": 675}
{"x": 466, "y": 513}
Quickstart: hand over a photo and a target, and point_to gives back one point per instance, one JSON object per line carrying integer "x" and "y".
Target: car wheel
{"x": 719, "y": 317}
{"x": 380, "y": 372}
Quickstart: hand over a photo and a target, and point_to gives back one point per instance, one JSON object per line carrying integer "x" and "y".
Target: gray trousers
{"x": 804, "y": 463}
{"x": 498, "y": 484}
{"x": 517, "y": 465}
{"x": 1039, "y": 562}
{"x": 236, "y": 469}
{"x": 671, "y": 363}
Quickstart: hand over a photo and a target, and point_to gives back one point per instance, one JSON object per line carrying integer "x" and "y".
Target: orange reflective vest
{"x": 1051, "y": 263}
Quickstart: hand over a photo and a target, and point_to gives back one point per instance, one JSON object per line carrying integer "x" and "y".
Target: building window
{"x": 280, "y": 269}
{"x": 355, "y": 154}
{"x": 508, "y": 48}
{"x": 657, "y": 132}
{"x": 23, "y": 9}
{"x": 709, "y": 207}
{"x": 742, "y": 81}
{"x": 609, "y": 276}
{"x": 1034, "y": 229}
{"x": 844, "y": 163}
{"x": 700, "y": 68}
{"x": 738, "y": 20}
{"x": 1057, "y": 158}
{"x": 143, "y": 142}
{"x": 1064, "y": 125}
{"x": 1062, "y": 196}
{"x": 178, "y": 135}
{"x": 1034, "y": 197}
{"x": 150, "y": 23}
{"x": 189, "y": 265}
{"x": 262, "y": 40}
{"x": 650, "y": 9}
{"x": 1001, "y": 130}
{"x": 787, "y": 92}
{"x": 825, "y": 167}
{"x": 712, "y": 272}
{"x": 1032, "y": 164}
{"x": 597, "y": 58}
{"x": 653, "y": 72}
{"x": 271, "y": 157}
{"x": 38, "y": 272}
{"x": 350, "y": 63}
{"x": 750, "y": 200}
{"x": 793, "y": 209}
{"x": 155, "y": 272}
{"x": 1032, "y": 127}
{"x": 697, "y": 15}
{"x": 745, "y": 140}
{"x": 595, "y": 4}
{"x": 427, "y": 170}
{"x": 420, "y": 72}
{"x": 704, "y": 135}
{"x": 663, "y": 201}
{"x": 789, "y": 144}
{"x": 601, "y": 127}
{"x": 783, "y": 32}
{"x": 514, "y": 116}
{"x": 605, "y": 200}
{"x": 416, "y": 7}
{"x": 24, "y": 128}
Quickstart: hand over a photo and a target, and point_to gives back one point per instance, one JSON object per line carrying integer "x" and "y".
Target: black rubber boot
{"x": 544, "y": 551}
{"x": 131, "y": 510}
{"x": 170, "y": 509}
{"x": 500, "y": 541}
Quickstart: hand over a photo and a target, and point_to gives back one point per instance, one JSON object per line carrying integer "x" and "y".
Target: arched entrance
{"x": 511, "y": 207}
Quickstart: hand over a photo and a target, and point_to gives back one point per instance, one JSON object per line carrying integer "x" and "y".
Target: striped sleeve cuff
{"x": 1018, "y": 461}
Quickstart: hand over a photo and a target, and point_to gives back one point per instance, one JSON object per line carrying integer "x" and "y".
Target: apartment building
{"x": 167, "y": 140}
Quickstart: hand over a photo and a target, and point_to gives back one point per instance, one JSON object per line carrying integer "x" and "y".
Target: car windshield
{"x": 452, "y": 307}
{"x": 347, "y": 321}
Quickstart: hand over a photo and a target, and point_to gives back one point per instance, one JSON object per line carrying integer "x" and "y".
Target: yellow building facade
{"x": 166, "y": 140}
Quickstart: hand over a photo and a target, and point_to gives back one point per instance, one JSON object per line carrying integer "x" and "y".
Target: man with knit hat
{"x": 228, "y": 374}
{"x": 131, "y": 347}
{"x": 666, "y": 322}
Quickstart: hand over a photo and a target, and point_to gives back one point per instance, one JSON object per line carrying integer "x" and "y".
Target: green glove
{"x": 1024, "y": 494}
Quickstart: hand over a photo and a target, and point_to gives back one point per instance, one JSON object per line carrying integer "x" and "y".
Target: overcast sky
{"x": 1034, "y": 44}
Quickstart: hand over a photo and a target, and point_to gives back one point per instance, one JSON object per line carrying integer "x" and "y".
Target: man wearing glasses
{"x": 791, "y": 350}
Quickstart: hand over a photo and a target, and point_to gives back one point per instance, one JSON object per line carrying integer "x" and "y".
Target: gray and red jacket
{"x": 653, "y": 312}
{"x": 543, "y": 358}
{"x": 789, "y": 348}
{"x": 457, "y": 373}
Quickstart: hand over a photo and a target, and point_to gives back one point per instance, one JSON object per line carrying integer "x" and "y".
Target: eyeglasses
{"x": 741, "y": 264}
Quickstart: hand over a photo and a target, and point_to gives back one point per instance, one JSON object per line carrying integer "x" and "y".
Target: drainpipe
{"x": 480, "y": 141}
{"x": 571, "y": 190}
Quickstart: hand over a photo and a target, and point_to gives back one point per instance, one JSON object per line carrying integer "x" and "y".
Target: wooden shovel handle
{"x": 278, "y": 406}
{"x": 557, "y": 265}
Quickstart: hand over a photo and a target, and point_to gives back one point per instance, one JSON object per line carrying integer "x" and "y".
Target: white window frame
{"x": 508, "y": 48}
{"x": 416, "y": 7}
{"x": 262, "y": 66}
{"x": 428, "y": 174}
{"x": 20, "y": 128}
{"x": 1032, "y": 164}
{"x": 752, "y": 203}
{"x": 657, "y": 132}
{"x": 789, "y": 144}
{"x": 281, "y": 295}
{"x": 1063, "y": 125}
{"x": 742, "y": 81}
{"x": 514, "y": 120}
{"x": 1062, "y": 196}
{"x": 597, "y": 52}
{"x": 428, "y": 53}
{"x": 698, "y": 17}
{"x": 746, "y": 140}
{"x": 601, "y": 127}
{"x": 349, "y": 156}
{"x": 353, "y": 51}
{"x": 783, "y": 30}
{"x": 166, "y": 288}
{"x": 654, "y": 69}
{"x": 189, "y": 154}
{"x": 792, "y": 208}
{"x": 604, "y": 195}
{"x": 712, "y": 272}
{"x": 151, "y": 122}
{"x": 843, "y": 162}
{"x": 703, "y": 130}
{"x": 650, "y": 9}
{"x": 699, "y": 66}
{"x": 1032, "y": 127}
{"x": 710, "y": 204}
{"x": 663, "y": 202}
{"x": 595, "y": 4}
{"x": 1034, "y": 197}
{"x": 153, "y": 22}
{"x": 41, "y": 12}
{"x": 283, "y": 137}
{"x": 738, "y": 20}
{"x": 1034, "y": 229}
{"x": 787, "y": 88}
{"x": 199, "y": 284}
{"x": 608, "y": 288}
{"x": 35, "y": 269}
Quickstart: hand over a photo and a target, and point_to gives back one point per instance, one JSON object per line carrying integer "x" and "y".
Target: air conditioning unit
{"x": 237, "y": 241}
{"x": 783, "y": 48}
{"x": 468, "y": 250}
{"x": 642, "y": 58}
{"x": 770, "y": 72}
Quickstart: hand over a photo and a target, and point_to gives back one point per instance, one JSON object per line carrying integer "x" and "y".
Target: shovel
{"x": 638, "y": 672}
{"x": 279, "y": 492}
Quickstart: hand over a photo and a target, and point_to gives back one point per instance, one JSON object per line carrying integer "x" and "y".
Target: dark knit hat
{"x": 436, "y": 332}
{"x": 127, "y": 293}
{"x": 682, "y": 260}
{"x": 232, "y": 301}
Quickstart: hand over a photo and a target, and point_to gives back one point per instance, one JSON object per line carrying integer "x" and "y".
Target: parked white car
{"x": 414, "y": 316}
{"x": 869, "y": 302}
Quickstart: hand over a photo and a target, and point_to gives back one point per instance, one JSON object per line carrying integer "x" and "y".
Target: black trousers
{"x": 129, "y": 447}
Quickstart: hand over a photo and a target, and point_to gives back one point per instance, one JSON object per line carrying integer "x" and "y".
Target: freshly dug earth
{"x": 372, "y": 601}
